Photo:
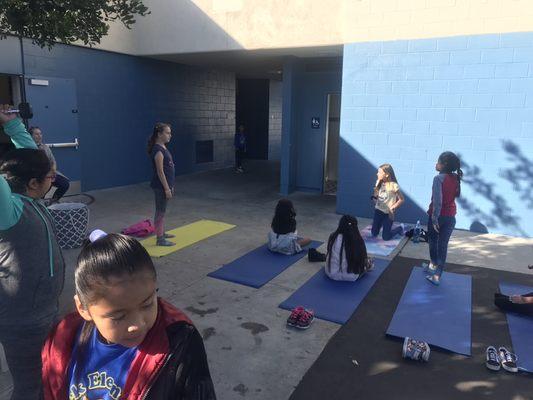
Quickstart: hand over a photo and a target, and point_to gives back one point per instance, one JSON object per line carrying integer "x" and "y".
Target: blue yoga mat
{"x": 376, "y": 245}
{"x": 331, "y": 300}
{"x": 439, "y": 315}
{"x": 520, "y": 328}
{"x": 258, "y": 267}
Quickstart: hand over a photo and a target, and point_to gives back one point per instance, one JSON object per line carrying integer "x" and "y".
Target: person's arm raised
{"x": 15, "y": 129}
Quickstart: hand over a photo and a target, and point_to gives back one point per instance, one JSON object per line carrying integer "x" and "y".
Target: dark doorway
{"x": 252, "y": 112}
{"x": 8, "y": 95}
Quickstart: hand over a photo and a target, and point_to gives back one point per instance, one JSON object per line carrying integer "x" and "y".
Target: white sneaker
{"x": 508, "y": 359}
{"x": 492, "y": 359}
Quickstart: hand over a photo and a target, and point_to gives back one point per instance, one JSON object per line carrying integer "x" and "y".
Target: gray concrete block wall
{"x": 205, "y": 104}
{"x": 274, "y": 120}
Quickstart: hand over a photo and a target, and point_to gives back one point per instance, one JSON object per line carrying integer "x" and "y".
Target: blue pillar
{"x": 288, "y": 131}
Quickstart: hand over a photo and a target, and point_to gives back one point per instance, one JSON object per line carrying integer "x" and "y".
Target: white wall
{"x": 189, "y": 26}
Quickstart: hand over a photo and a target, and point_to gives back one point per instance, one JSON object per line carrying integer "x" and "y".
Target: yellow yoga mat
{"x": 185, "y": 236}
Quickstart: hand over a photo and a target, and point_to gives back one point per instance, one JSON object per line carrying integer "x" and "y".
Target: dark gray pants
{"x": 160, "y": 210}
{"x": 22, "y": 346}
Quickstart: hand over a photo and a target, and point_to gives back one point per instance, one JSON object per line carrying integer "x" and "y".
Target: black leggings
{"x": 501, "y": 301}
{"x": 62, "y": 184}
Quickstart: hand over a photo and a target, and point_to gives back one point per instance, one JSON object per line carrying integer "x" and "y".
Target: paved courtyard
{"x": 252, "y": 354}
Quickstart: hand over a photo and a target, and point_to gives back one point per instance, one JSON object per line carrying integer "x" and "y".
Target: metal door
{"x": 55, "y": 111}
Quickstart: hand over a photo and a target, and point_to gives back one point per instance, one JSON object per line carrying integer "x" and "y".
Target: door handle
{"x": 75, "y": 144}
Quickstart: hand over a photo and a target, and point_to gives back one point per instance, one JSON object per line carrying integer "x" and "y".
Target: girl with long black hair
{"x": 347, "y": 258}
{"x": 283, "y": 238}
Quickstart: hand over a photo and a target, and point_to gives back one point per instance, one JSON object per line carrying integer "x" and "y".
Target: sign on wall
{"x": 315, "y": 122}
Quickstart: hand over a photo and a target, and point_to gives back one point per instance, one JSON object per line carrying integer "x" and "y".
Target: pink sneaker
{"x": 295, "y": 316}
{"x": 305, "y": 320}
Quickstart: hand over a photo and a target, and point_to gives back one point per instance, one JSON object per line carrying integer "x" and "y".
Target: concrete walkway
{"x": 252, "y": 355}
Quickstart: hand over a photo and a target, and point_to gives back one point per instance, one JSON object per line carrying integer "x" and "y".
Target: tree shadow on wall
{"x": 520, "y": 175}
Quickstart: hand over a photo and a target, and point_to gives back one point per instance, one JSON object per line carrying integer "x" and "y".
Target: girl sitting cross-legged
{"x": 347, "y": 259}
{"x": 283, "y": 238}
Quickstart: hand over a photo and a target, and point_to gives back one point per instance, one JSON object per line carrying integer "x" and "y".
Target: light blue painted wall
{"x": 405, "y": 102}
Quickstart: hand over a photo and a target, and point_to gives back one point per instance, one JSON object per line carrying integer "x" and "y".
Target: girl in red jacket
{"x": 442, "y": 210}
{"x": 124, "y": 342}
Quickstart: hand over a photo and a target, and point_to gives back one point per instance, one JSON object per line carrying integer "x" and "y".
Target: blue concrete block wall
{"x": 404, "y": 102}
{"x": 120, "y": 97}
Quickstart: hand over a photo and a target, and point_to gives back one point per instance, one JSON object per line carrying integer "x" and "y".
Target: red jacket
{"x": 443, "y": 193}
{"x": 173, "y": 341}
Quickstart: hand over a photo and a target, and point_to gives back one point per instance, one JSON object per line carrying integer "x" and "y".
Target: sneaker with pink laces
{"x": 295, "y": 316}
{"x": 305, "y": 320}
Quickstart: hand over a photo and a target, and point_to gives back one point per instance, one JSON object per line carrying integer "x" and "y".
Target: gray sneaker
{"x": 415, "y": 349}
{"x": 508, "y": 360}
{"x": 164, "y": 242}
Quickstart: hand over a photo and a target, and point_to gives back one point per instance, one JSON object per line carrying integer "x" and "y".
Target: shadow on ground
{"x": 381, "y": 373}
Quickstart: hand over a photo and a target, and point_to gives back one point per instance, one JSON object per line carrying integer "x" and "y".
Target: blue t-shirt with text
{"x": 103, "y": 372}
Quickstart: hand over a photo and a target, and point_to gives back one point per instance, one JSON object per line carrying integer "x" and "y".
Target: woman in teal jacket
{"x": 31, "y": 264}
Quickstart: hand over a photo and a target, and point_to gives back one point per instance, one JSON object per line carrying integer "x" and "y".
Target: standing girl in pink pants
{"x": 163, "y": 178}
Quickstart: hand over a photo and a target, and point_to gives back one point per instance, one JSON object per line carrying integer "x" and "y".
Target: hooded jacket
{"x": 32, "y": 268}
{"x": 170, "y": 363}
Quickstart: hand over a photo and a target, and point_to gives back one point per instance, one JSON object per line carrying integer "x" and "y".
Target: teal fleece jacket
{"x": 11, "y": 204}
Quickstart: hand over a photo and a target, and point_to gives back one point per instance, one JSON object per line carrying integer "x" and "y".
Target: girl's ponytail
{"x": 151, "y": 143}
{"x": 452, "y": 164}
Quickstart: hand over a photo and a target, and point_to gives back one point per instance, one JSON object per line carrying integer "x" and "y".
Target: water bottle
{"x": 416, "y": 233}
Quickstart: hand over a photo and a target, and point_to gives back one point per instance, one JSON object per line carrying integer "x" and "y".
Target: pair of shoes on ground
{"x": 415, "y": 349}
{"x": 164, "y": 242}
{"x": 313, "y": 255}
{"x": 501, "y": 358}
{"x": 301, "y": 318}
{"x": 431, "y": 273}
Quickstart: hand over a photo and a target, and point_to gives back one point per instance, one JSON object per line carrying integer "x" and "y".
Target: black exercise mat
{"x": 383, "y": 374}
